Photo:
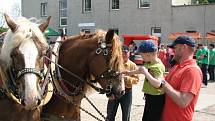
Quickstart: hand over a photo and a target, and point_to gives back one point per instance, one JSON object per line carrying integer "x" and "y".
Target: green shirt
{"x": 212, "y": 57}
{"x": 205, "y": 52}
{"x": 198, "y": 53}
{"x": 157, "y": 70}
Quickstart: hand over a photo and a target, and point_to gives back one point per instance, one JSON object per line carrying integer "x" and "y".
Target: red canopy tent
{"x": 194, "y": 35}
{"x": 210, "y": 36}
{"x": 130, "y": 37}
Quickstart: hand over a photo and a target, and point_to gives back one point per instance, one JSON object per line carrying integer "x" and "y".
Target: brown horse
{"x": 82, "y": 57}
{"x": 22, "y": 85}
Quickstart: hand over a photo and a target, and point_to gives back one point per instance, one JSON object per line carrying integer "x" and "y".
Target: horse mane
{"x": 26, "y": 29}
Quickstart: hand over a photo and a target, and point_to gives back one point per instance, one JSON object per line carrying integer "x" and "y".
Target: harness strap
{"x": 56, "y": 74}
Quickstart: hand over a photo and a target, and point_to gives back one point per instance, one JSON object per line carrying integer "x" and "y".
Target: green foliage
{"x": 3, "y": 29}
{"x": 203, "y": 1}
{"x": 211, "y": 1}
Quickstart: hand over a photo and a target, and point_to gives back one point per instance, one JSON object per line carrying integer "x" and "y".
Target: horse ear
{"x": 109, "y": 36}
{"x": 12, "y": 25}
{"x": 45, "y": 24}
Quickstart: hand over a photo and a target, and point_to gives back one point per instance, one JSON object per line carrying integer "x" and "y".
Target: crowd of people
{"x": 173, "y": 77}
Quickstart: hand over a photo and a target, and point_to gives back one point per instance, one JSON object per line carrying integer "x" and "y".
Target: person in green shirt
{"x": 205, "y": 62}
{"x": 198, "y": 53}
{"x": 211, "y": 67}
{"x": 154, "y": 95}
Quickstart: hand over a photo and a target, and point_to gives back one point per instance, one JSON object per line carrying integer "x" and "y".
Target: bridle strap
{"x": 100, "y": 90}
{"x": 29, "y": 70}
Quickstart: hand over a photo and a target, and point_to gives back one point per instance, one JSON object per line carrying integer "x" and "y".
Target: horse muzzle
{"x": 31, "y": 104}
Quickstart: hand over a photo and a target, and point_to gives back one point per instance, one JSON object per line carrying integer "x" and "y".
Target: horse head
{"x": 107, "y": 64}
{"x": 23, "y": 50}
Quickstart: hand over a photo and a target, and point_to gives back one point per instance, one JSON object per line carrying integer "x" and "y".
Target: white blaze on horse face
{"x": 30, "y": 53}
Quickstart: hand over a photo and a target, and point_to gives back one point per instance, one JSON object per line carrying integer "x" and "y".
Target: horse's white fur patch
{"x": 30, "y": 53}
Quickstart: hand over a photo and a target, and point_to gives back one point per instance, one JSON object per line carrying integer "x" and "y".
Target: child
{"x": 153, "y": 70}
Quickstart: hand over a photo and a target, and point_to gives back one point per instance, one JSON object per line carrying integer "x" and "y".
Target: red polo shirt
{"x": 184, "y": 77}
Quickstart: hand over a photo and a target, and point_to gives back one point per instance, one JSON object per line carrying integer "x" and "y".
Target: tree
{"x": 211, "y": 1}
{"x": 203, "y": 1}
{"x": 3, "y": 29}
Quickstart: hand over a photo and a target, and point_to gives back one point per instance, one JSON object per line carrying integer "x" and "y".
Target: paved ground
{"x": 205, "y": 109}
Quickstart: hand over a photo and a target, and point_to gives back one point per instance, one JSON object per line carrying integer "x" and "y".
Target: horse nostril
{"x": 23, "y": 102}
{"x": 38, "y": 101}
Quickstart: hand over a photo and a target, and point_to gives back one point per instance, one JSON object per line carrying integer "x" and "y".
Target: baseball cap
{"x": 125, "y": 48}
{"x": 147, "y": 46}
{"x": 183, "y": 40}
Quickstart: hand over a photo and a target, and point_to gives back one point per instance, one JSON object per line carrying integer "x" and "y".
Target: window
{"x": 156, "y": 31}
{"x": 63, "y": 12}
{"x": 86, "y": 6}
{"x": 115, "y": 5}
{"x": 86, "y": 30}
{"x": 144, "y": 3}
{"x": 43, "y": 8}
{"x": 63, "y": 21}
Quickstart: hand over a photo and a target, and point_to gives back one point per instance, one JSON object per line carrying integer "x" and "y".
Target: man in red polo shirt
{"x": 183, "y": 82}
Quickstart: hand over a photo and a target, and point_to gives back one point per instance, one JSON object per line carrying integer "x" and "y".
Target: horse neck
{"x": 76, "y": 61}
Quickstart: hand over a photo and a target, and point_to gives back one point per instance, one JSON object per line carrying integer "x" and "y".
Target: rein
{"x": 101, "y": 90}
{"x": 107, "y": 75}
{"x": 69, "y": 99}
{"x": 67, "y": 96}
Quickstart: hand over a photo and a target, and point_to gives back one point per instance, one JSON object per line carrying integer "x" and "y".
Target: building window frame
{"x": 114, "y": 4}
{"x": 87, "y": 6}
{"x": 86, "y": 30}
{"x": 63, "y": 21}
{"x": 144, "y": 3}
{"x": 157, "y": 31}
{"x": 63, "y": 13}
{"x": 43, "y": 9}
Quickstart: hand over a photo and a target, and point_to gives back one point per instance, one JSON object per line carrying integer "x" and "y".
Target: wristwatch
{"x": 163, "y": 82}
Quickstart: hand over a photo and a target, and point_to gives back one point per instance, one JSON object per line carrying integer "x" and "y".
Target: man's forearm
{"x": 180, "y": 98}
